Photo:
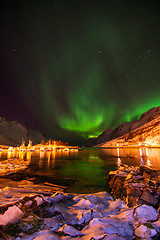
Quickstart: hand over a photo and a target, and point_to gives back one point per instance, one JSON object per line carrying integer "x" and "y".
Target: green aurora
{"x": 81, "y": 67}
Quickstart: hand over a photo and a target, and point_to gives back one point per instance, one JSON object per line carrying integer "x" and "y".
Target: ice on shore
{"x": 77, "y": 216}
{"x": 12, "y": 215}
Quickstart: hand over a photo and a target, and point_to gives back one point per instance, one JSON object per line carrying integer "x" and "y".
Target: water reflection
{"x": 41, "y": 154}
{"x": 83, "y": 171}
{"x": 22, "y": 154}
{"x": 149, "y": 163}
{"x": 49, "y": 159}
{"x": 140, "y": 152}
{"x": 118, "y": 152}
{"x": 9, "y": 154}
{"x": 29, "y": 155}
{"x": 147, "y": 152}
{"x": 119, "y": 162}
{"x": 130, "y": 156}
{"x": 134, "y": 156}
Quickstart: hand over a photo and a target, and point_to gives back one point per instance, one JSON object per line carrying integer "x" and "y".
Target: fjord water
{"x": 83, "y": 171}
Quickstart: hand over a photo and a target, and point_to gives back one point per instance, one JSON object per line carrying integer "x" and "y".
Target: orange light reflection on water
{"x": 135, "y": 156}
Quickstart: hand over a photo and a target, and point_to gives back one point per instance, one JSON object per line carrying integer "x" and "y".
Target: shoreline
{"x": 113, "y": 147}
{"x": 65, "y": 216}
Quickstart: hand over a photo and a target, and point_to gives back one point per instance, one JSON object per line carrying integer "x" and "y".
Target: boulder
{"x": 52, "y": 224}
{"x": 57, "y": 197}
{"x": 149, "y": 172}
{"x": 41, "y": 235}
{"x": 60, "y": 209}
{"x": 141, "y": 185}
{"x": 125, "y": 215}
{"x": 85, "y": 216}
{"x": 117, "y": 205}
{"x": 11, "y": 215}
{"x": 135, "y": 189}
{"x": 85, "y": 203}
{"x": 145, "y": 213}
{"x": 117, "y": 226}
{"x": 145, "y": 231}
{"x": 39, "y": 199}
{"x": 69, "y": 230}
{"x": 133, "y": 201}
{"x": 113, "y": 237}
{"x": 29, "y": 224}
{"x": 117, "y": 187}
{"x": 149, "y": 197}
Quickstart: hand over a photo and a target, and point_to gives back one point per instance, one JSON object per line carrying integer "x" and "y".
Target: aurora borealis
{"x": 71, "y": 69}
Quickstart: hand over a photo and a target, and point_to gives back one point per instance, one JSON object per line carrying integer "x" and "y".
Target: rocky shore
{"x": 136, "y": 185}
{"x": 133, "y": 213}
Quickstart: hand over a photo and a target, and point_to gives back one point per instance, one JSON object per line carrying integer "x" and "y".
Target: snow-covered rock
{"x": 85, "y": 203}
{"x": 57, "y": 197}
{"x": 109, "y": 226}
{"x": 39, "y": 200}
{"x": 117, "y": 204}
{"x": 28, "y": 203}
{"x": 52, "y": 224}
{"x": 65, "y": 218}
{"x": 41, "y": 235}
{"x": 28, "y": 224}
{"x": 85, "y": 216}
{"x": 104, "y": 198}
{"x": 125, "y": 215}
{"x": 118, "y": 226}
{"x": 11, "y": 215}
{"x": 69, "y": 230}
{"x": 145, "y": 231}
{"x": 113, "y": 237}
{"x": 145, "y": 213}
{"x": 92, "y": 198}
{"x": 60, "y": 208}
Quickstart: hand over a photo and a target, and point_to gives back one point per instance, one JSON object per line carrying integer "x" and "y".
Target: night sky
{"x": 71, "y": 69}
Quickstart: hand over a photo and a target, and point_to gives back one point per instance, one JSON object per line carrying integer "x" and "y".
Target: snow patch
{"x": 11, "y": 215}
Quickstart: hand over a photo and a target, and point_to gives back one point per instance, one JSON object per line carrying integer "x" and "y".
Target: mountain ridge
{"x": 12, "y": 133}
{"x": 144, "y": 131}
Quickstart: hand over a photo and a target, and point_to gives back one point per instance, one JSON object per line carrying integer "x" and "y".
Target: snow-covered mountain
{"x": 145, "y": 131}
{"x": 12, "y": 133}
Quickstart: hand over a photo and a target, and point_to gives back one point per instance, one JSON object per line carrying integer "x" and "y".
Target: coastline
{"x": 60, "y": 215}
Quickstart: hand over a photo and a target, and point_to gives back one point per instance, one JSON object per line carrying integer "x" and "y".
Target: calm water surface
{"x": 83, "y": 171}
